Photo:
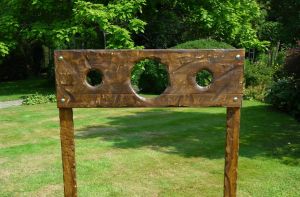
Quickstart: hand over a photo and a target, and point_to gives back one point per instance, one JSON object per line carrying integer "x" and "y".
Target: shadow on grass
{"x": 264, "y": 133}
{"x": 25, "y": 87}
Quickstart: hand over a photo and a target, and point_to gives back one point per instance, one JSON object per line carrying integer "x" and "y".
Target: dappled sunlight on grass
{"x": 146, "y": 151}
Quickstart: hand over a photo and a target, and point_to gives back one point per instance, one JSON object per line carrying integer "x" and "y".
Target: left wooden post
{"x": 68, "y": 151}
{"x": 231, "y": 151}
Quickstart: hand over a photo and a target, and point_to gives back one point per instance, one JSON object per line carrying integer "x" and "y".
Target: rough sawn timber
{"x": 116, "y": 66}
{"x": 68, "y": 151}
{"x": 231, "y": 151}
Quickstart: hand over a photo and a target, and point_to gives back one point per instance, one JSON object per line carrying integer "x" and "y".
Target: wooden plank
{"x": 231, "y": 151}
{"x": 129, "y": 100}
{"x": 116, "y": 65}
{"x": 68, "y": 151}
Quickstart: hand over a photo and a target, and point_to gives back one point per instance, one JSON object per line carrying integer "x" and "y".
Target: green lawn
{"x": 14, "y": 90}
{"x": 149, "y": 152}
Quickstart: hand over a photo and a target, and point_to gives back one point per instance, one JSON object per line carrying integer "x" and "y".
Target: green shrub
{"x": 149, "y": 76}
{"x": 285, "y": 95}
{"x": 255, "y": 92}
{"x": 204, "y": 78}
{"x": 203, "y": 44}
{"x": 260, "y": 75}
{"x": 39, "y": 99}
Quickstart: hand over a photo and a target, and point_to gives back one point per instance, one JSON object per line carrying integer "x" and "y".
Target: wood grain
{"x": 116, "y": 91}
{"x": 116, "y": 65}
{"x": 68, "y": 151}
{"x": 231, "y": 151}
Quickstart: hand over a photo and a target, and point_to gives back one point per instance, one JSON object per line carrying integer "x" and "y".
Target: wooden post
{"x": 68, "y": 151}
{"x": 231, "y": 151}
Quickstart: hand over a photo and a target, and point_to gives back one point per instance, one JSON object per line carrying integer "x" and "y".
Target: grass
{"x": 17, "y": 89}
{"x": 148, "y": 152}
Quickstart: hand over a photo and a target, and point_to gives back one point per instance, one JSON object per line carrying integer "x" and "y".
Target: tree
{"x": 173, "y": 22}
{"x": 282, "y": 22}
{"x": 27, "y": 24}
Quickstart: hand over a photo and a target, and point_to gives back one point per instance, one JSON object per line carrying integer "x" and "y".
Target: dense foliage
{"x": 284, "y": 94}
{"x": 64, "y": 24}
{"x": 173, "y": 22}
{"x": 149, "y": 76}
{"x": 30, "y": 29}
{"x": 282, "y": 21}
{"x": 260, "y": 75}
{"x": 28, "y": 24}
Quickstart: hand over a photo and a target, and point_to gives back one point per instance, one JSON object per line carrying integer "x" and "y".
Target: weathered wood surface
{"x": 116, "y": 65}
{"x": 231, "y": 151}
{"x": 68, "y": 151}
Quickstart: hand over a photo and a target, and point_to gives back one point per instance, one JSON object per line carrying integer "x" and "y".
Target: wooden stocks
{"x": 115, "y": 90}
{"x": 231, "y": 151}
{"x": 68, "y": 151}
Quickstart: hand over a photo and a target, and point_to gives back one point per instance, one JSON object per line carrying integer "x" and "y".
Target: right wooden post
{"x": 231, "y": 151}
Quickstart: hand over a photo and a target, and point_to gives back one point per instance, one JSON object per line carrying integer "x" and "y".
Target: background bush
{"x": 39, "y": 99}
{"x": 203, "y": 44}
{"x": 260, "y": 74}
{"x": 150, "y": 77}
{"x": 284, "y": 94}
{"x": 204, "y": 78}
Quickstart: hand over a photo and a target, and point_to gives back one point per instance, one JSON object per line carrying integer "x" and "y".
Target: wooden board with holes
{"x": 115, "y": 90}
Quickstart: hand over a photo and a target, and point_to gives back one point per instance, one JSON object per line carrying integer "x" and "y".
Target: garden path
{"x": 5, "y": 104}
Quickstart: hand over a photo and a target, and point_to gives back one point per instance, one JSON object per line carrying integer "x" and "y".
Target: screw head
{"x": 60, "y": 58}
{"x": 235, "y": 99}
{"x": 238, "y": 57}
{"x": 63, "y": 100}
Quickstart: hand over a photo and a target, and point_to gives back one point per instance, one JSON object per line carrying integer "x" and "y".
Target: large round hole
{"x": 149, "y": 78}
{"x": 204, "y": 78}
{"x": 94, "y": 77}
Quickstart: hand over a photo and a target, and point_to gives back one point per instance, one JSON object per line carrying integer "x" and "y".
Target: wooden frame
{"x": 115, "y": 90}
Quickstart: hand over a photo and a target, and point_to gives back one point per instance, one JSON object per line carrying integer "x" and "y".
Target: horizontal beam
{"x": 182, "y": 66}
